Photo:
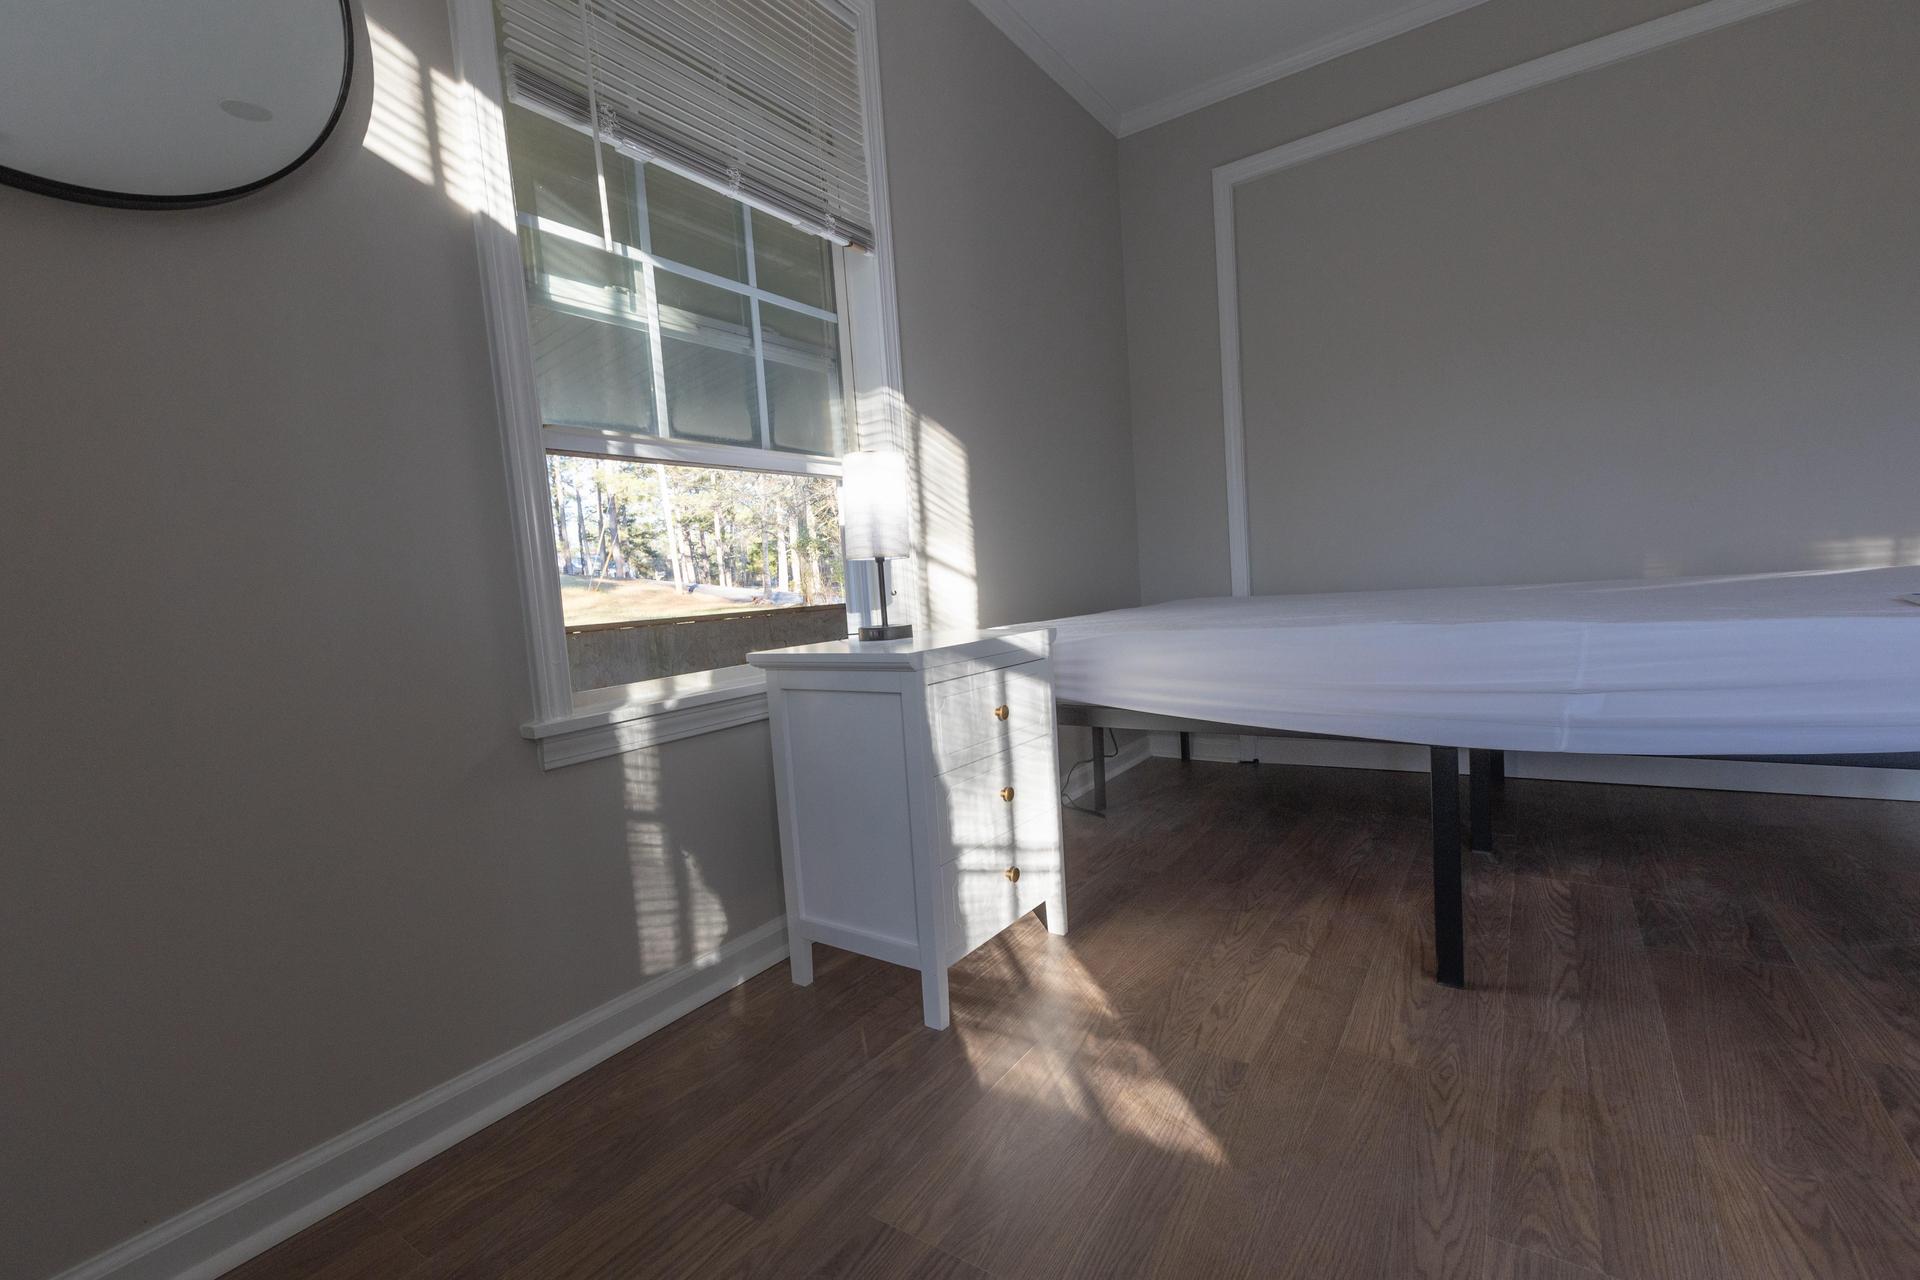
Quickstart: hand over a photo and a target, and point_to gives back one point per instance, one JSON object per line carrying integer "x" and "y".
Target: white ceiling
{"x": 1137, "y": 63}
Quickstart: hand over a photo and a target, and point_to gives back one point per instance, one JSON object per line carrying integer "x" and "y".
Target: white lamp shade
{"x": 873, "y": 502}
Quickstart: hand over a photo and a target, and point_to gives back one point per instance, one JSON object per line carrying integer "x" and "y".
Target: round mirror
{"x": 167, "y": 104}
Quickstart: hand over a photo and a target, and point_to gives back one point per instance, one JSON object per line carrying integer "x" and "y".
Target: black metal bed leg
{"x": 1449, "y": 909}
{"x": 1480, "y": 772}
{"x": 1498, "y": 777}
{"x": 1186, "y": 748}
{"x": 1099, "y": 770}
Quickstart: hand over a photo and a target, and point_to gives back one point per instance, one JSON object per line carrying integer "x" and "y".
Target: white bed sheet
{"x": 1777, "y": 664}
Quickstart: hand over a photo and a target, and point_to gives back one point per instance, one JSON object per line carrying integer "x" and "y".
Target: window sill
{"x": 608, "y": 722}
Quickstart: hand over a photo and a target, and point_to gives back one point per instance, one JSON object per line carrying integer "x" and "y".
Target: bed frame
{"x": 1486, "y": 780}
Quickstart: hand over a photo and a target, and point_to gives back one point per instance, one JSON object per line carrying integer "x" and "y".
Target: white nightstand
{"x": 919, "y": 796}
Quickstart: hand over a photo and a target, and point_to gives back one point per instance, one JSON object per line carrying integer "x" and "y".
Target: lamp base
{"x": 898, "y": 631}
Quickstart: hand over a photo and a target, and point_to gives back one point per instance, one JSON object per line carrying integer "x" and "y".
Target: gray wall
{"x": 1005, "y": 203}
{"x": 1662, "y": 319}
{"x": 1167, "y": 223}
{"x": 276, "y": 858}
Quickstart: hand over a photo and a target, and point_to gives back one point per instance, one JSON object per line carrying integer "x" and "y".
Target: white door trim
{"x": 1581, "y": 58}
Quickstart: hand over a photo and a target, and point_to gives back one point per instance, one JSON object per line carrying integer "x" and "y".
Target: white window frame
{"x": 573, "y": 727}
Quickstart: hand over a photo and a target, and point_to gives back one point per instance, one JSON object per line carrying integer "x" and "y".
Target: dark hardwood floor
{"x": 1691, "y": 1047}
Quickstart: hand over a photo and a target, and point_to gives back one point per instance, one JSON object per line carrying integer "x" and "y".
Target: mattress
{"x": 1776, "y": 664}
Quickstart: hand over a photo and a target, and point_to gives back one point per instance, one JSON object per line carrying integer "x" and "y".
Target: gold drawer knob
{"x": 1013, "y": 874}
{"x": 1000, "y": 712}
{"x": 1006, "y": 793}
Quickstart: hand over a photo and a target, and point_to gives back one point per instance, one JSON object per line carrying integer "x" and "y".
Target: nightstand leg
{"x": 933, "y": 997}
{"x": 1056, "y": 906}
{"x": 799, "y": 959}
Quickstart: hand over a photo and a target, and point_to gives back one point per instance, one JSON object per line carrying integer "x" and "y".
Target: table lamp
{"x": 873, "y": 502}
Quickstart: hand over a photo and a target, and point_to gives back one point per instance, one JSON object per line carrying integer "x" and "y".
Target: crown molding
{"x": 1121, "y": 123}
{"x": 1341, "y": 43}
{"x": 1050, "y": 60}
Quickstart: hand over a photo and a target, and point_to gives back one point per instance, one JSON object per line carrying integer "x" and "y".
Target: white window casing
{"x": 572, "y": 727}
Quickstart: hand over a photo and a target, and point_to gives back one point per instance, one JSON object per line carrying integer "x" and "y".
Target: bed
{"x": 1819, "y": 667}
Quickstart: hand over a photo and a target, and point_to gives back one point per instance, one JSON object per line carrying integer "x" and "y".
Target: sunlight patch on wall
{"x": 677, "y": 916}
{"x": 438, "y": 130}
{"x": 1880, "y": 552}
{"x": 1658, "y": 564}
{"x": 461, "y": 174}
{"x": 398, "y": 130}
{"x": 951, "y": 590}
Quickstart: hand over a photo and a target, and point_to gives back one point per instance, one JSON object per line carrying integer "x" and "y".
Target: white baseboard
{"x": 237, "y": 1224}
{"x": 1639, "y": 771}
{"x": 1129, "y": 755}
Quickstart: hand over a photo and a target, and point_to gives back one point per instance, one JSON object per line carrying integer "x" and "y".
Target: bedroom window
{"x": 690, "y": 350}
{"x": 672, "y": 324}
{"x": 688, "y": 294}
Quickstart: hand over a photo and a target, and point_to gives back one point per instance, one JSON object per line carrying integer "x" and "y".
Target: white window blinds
{"x": 757, "y": 98}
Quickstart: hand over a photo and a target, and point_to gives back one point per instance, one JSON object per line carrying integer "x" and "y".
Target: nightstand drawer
{"x": 1004, "y": 855}
{"x": 981, "y": 901}
{"x": 1000, "y": 803}
{"x": 978, "y": 715}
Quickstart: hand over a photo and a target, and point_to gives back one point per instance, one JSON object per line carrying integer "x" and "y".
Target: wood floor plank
{"x": 1173, "y": 1113}
{"x": 1654, "y": 1217}
{"x": 1836, "y": 888}
{"x": 654, "y": 1205}
{"x": 1400, "y": 1013}
{"x": 1343, "y": 1208}
{"x": 884, "y": 1253}
{"x": 1734, "y": 925}
{"x": 492, "y": 1248}
{"x": 1872, "y": 994}
{"x": 1789, "y": 1218}
{"x": 1546, "y": 1196}
{"x": 1508, "y": 1262}
{"x": 1899, "y": 1092}
{"x": 840, "y": 1129}
{"x": 1227, "y": 993}
{"x": 1022, "y": 1160}
{"x": 1259, "y": 1114}
{"x": 1454, "y": 1039}
{"x": 351, "y": 1244}
{"x": 1763, "y": 1068}
{"x": 1690, "y": 1048}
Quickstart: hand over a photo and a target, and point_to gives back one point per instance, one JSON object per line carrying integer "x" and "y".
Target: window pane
{"x": 803, "y": 380}
{"x": 707, "y": 345}
{"x": 791, "y": 263}
{"x": 694, "y": 225}
{"x": 591, "y": 372}
{"x": 592, "y": 360}
{"x": 554, "y": 176}
{"x": 670, "y": 569}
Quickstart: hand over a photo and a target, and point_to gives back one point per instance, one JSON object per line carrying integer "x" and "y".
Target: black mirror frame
{"x": 133, "y": 200}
